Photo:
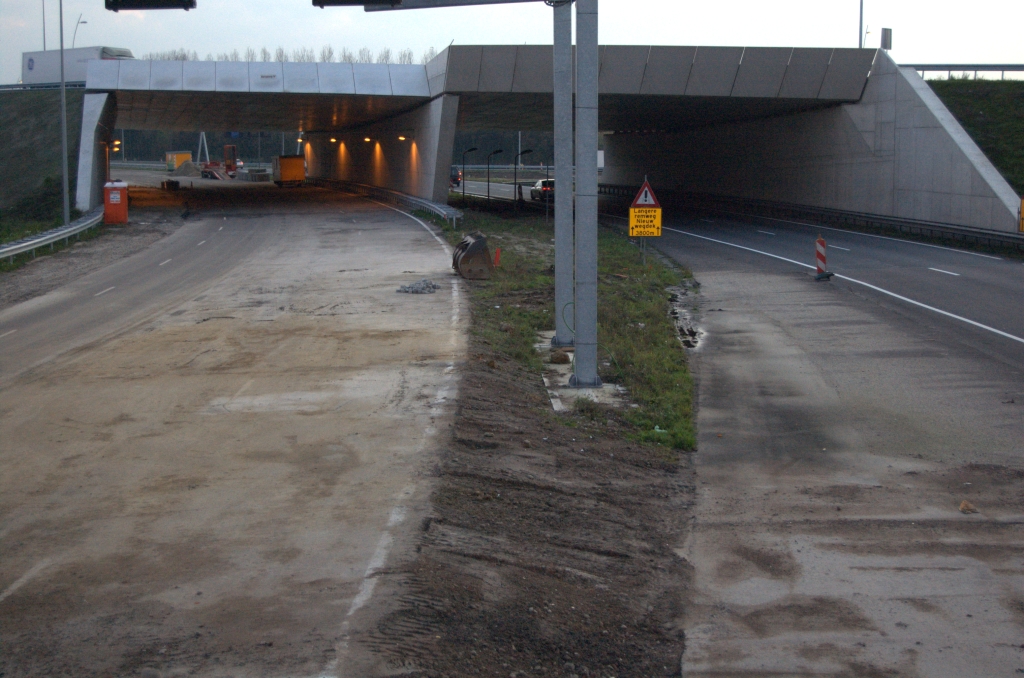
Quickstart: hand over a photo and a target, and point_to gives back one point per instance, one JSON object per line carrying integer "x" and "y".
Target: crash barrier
{"x": 386, "y": 195}
{"x": 745, "y": 207}
{"x": 33, "y": 242}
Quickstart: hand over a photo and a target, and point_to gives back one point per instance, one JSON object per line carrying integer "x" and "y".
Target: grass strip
{"x": 638, "y": 344}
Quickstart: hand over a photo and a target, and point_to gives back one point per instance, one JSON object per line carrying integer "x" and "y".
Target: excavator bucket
{"x": 472, "y": 259}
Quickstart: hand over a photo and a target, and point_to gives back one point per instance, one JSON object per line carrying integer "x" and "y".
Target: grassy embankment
{"x": 992, "y": 112}
{"x": 638, "y": 346}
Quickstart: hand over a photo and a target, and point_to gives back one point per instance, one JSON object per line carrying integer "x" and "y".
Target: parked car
{"x": 456, "y": 176}
{"x": 543, "y": 190}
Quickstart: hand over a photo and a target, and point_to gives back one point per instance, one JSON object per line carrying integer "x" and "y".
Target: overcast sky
{"x": 985, "y": 31}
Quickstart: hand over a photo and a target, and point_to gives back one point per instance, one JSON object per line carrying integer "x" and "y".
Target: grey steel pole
{"x": 585, "y": 363}
{"x": 860, "y": 31}
{"x": 564, "y": 291}
{"x": 44, "y": 25}
{"x": 64, "y": 122}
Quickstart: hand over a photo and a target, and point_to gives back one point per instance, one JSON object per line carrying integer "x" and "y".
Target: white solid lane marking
{"x": 837, "y": 247}
{"x": 710, "y": 221}
{"x": 104, "y": 291}
{"x": 858, "y": 282}
{"x": 869, "y": 235}
{"x": 200, "y": 243}
{"x": 7, "y": 333}
{"x": 766, "y": 232}
{"x": 165, "y": 262}
{"x": 939, "y": 270}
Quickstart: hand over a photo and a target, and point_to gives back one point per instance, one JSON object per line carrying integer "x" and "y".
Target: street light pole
{"x": 564, "y": 275}
{"x": 75, "y": 35}
{"x": 585, "y": 362}
{"x": 497, "y": 152}
{"x": 860, "y": 30}
{"x": 515, "y": 178}
{"x": 464, "y": 175}
{"x": 64, "y": 121}
{"x": 44, "y": 25}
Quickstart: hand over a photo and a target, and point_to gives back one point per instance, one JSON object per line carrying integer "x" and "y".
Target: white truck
{"x": 41, "y": 68}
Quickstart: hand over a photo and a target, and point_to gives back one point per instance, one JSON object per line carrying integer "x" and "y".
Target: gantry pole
{"x": 564, "y": 292}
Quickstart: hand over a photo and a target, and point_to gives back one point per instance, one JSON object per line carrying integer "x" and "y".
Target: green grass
{"x": 638, "y": 347}
{"x": 992, "y": 112}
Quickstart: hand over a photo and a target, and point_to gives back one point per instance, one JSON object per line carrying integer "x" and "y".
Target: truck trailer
{"x": 43, "y": 68}
{"x": 289, "y": 170}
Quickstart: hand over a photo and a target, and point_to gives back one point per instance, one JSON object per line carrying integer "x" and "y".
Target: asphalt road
{"x": 841, "y": 425}
{"x": 212, "y": 446}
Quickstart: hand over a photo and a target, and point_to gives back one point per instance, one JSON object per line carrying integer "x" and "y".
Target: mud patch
{"x": 807, "y": 615}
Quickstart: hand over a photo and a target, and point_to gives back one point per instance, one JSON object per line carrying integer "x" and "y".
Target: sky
{"x": 924, "y": 31}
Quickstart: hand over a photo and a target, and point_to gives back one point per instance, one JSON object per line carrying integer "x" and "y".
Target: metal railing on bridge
{"x": 950, "y": 69}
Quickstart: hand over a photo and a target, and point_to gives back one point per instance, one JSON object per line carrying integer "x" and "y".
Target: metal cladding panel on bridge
{"x": 622, "y": 69}
{"x": 806, "y": 71}
{"x": 463, "y": 69}
{"x": 535, "y": 69}
{"x": 497, "y": 68}
{"x": 199, "y": 76}
{"x": 301, "y": 78}
{"x": 102, "y": 74}
{"x": 437, "y": 72}
{"x": 372, "y": 79}
{"x": 266, "y": 77}
{"x": 133, "y": 74}
{"x": 232, "y": 76}
{"x": 408, "y": 80}
{"x": 762, "y": 71}
{"x": 336, "y": 78}
{"x": 668, "y": 70}
{"x": 714, "y": 71}
{"x": 166, "y": 76}
{"x": 847, "y": 74}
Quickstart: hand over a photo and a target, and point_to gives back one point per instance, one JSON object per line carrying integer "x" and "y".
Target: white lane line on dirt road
{"x": 23, "y": 579}
{"x": 164, "y": 262}
{"x": 859, "y": 282}
{"x": 200, "y": 244}
{"x": 7, "y": 333}
{"x": 939, "y": 270}
{"x": 105, "y": 291}
{"x": 220, "y": 229}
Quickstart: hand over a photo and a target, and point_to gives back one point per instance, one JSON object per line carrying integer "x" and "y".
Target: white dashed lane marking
{"x": 104, "y": 291}
{"x": 939, "y": 270}
{"x": 165, "y": 262}
{"x": 7, "y": 333}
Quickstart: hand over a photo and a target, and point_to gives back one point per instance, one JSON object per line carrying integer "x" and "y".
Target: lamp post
{"x": 75, "y": 35}
{"x": 515, "y": 179}
{"x": 860, "y": 31}
{"x": 44, "y": 25}
{"x": 471, "y": 150}
{"x": 64, "y": 122}
{"x": 492, "y": 153}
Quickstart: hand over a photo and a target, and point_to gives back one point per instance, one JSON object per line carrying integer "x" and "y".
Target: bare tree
{"x": 327, "y": 54}
{"x": 405, "y": 56}
{"x": 346, "y": 56}
{"x": 429, "y": 55}
{"x": 265, "y": 54}
{"x": 250, "y": 54}
{"x": 209, "y": 57}
{"x": 172, "y": 55}
{"x": 281, "y": 55}
{"x": 304, "y": 55}
{"x": 384, "y": 56}
{"x": 234, "y": 56}
{"x": 365, "y": 56}
{"x": 222, "y": 56}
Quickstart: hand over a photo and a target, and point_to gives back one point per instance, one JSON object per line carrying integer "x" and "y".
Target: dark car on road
{"x": 543, "y": 190}
{"x": 456, "y": 176}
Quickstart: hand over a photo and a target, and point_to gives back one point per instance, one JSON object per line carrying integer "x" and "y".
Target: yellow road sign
{"x": 645, "y": 222}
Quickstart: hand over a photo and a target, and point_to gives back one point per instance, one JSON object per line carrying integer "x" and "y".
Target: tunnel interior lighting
{"x": 367, "y": 139}
{"x": 401, "y": 138}
{"x": 333, "y": 140}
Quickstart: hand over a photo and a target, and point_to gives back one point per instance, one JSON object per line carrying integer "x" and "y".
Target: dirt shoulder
{"x": 548, "y": 548}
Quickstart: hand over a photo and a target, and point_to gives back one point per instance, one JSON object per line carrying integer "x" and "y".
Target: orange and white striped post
{"x": 821, "y": 260}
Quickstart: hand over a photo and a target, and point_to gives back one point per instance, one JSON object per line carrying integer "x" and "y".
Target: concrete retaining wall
{"x": 98, "y": 114}
{"x": 418, "y": 165}
{"x": 898, "y": 152}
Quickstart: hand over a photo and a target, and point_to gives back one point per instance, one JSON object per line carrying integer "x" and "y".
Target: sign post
{"x": 1020, "y": 215}
{"x": 645, "y": 217}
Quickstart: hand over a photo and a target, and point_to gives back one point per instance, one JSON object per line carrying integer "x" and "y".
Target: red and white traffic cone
{"x": 823, "y": 273}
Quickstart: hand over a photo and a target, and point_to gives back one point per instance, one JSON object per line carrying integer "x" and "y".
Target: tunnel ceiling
{"x": 642, "y": 88}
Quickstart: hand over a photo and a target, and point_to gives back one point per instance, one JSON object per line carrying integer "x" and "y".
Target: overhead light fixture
{"x": 367, "y": 139}
{"x": 333, "y": 140}
{"x": 401, "y": 138}
{"x": 116, "y": 5}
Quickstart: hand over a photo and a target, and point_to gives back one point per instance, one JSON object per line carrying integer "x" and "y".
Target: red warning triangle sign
{"x": 646, "y": 198}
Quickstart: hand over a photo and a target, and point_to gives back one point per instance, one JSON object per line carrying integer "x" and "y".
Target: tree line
{"x": 301, "y": 55}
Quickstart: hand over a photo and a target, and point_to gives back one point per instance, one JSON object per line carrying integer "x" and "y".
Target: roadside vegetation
{"x": 638, "y": 345}
{"x": 991, "y": 112}
{"x": 39, "y": 211}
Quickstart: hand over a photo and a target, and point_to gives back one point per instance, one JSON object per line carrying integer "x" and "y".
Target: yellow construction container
{"x": 289, "y": 170}
{"x": 176, "y": 158}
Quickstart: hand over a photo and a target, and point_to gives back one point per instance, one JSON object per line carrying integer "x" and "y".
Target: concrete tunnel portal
{"x": 842, "y": 129}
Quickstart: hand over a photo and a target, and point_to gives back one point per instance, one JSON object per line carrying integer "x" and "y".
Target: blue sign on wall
{"x": 31, "y": 64}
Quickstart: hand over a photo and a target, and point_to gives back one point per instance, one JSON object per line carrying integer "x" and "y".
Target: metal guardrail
{"x": 950, "y": 69}
{"x": 446, "y": 212}
{"x": 21, "y": 87}
{"x": 34, "y": 242}
{"x": 832, "y": 217}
